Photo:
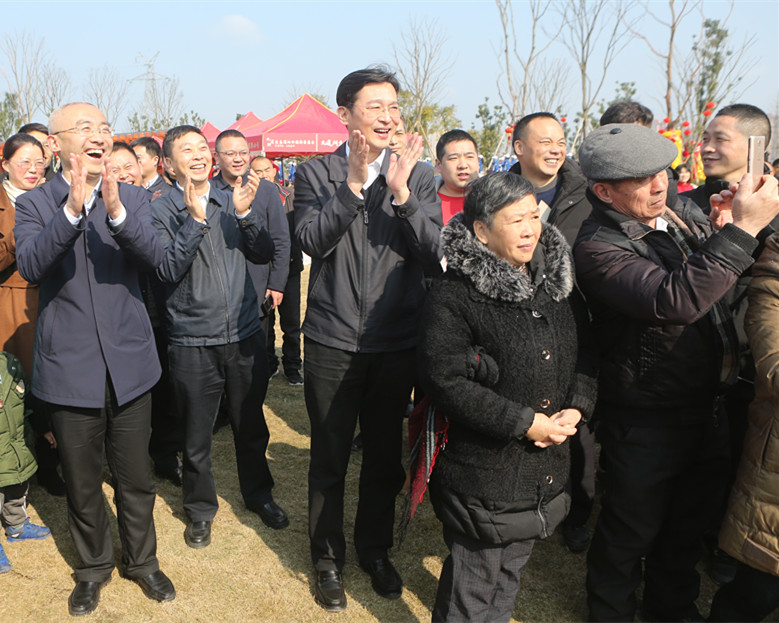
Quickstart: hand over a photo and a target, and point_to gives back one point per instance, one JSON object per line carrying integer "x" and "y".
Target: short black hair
{"x": 450, "y": 137}
{"x": 627, "y": 112}
{"x": 151, "y": 146}
{"x": 14, "y": 143}
{"x": 227, "y": 134}
{"x": 122, "y": 146}
{"x": 176, "y": 133}
{"x": 521, "y": 125}
{"x": 750, "y": 120}
{"x": 486, "y": 196}
{"x": 33, "y": 127}
{"x": 351, "y": 85}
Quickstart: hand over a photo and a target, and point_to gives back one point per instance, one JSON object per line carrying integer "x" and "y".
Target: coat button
{"x": 536, "y": 313}
{"x": 549, "y": 480}
{"x": 545, "y": 403}
{"x": 546, "y": 354}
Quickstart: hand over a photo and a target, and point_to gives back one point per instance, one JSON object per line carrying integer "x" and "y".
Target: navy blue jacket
{"x": 209, "y": 296}
{"x": 92, "y": 320}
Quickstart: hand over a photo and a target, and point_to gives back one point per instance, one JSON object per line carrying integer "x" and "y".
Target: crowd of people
{"x": 535, "y": 310}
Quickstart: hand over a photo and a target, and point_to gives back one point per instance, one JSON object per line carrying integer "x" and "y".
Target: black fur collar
{"x": 495, "y": 278}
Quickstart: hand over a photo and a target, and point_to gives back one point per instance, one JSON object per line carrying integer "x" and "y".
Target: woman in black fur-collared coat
{"x": 502, "y": 355}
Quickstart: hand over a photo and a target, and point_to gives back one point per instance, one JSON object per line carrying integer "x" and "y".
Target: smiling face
{"x": 264, "y": 168}
{"x": 514, "y": 233}
{"x": 541, "y": 150}
{"x": 459, "y": 165}
{"x": 25, "y": 167}
{"x": 642, "y": 199}
{"x": 375, "y": 113}
{"x": 724, "y": 150}
{"x": 82, "y": 130}
{"x": 190, "y": 156}
{"x": 124, "y": 164}
{"x": 232, "y": 158}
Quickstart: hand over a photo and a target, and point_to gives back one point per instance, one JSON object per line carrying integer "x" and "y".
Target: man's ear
{"x": 344, "y": 114}
{"x": 53, "y": 142}
{"x": 437, "y": 165}
{"x": 602, "y": 191}
{"x": 518, "y": 147}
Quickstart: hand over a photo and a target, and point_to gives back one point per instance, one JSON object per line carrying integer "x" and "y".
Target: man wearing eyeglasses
{"x": 85, "y": 238}
{"x": 232, "y": 158}
{"x": 370, "y": 220}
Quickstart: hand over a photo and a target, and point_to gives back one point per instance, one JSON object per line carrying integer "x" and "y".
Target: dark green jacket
{"x": 17, "y": 463}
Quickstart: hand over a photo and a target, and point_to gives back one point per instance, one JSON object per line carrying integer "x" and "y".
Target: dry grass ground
{"x": 253, "y": 574}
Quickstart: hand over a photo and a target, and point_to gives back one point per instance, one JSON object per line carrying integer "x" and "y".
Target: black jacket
{"x": 650, "y": 303}
{"x": 490, "y": 482}
{"x": 270, "y": 213}
{"x": 369, "y": 258}
{"x": 210, "y": 298}
{"x": 570, "y": 206}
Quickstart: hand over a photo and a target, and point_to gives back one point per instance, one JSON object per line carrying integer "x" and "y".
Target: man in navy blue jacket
{"x": 84, "y": 238}
{"x": 216, "y": 343}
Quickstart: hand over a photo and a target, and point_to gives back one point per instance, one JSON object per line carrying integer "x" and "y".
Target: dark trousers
{"x": 582, "y": 476}
{"x": 479, "y": 581}
{"x": 123, "y": 433}
{"x": 167, "y": 427}
{"x": 752, "y": 596}
{"x": 661, "y": 493}
{"x": 340, "y": 388}
{"x": 199, "y": 375}
{"x": 289, "y": 320}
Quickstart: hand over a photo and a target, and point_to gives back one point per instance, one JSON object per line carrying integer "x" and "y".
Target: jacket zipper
{"x": 221, "y": 285}
{"x": 363, "y": 271}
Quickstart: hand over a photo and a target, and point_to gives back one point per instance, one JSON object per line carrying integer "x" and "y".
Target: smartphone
{"x": 756, "y": 157}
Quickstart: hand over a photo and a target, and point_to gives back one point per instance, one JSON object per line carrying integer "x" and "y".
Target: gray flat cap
{"x": 620, "y": 151}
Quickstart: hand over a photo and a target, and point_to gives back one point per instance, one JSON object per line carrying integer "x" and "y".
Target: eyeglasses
{"x": 232, "y": 154}
{"x": 375, "y": 110}
{"x": 89, "y": 130}
{"x": 26, "y": 163}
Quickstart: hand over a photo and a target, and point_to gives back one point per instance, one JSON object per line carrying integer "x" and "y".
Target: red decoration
{"x": 563, "y": 119}
{"x": 661, "y": 131}
{"x": 685, "y": 154}
{"x": 667, "y": 120}
{"x": 509, "y": 130}
{"x": 709, "y": 105}
{"x": 687, "y": 132}
{"x": 706, "y": 112}
{"x": 685, "y": 124}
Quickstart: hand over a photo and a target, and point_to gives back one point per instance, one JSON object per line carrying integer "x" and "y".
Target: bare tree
{"x": 423, "y": 68}
{"x": 542, "y": 80}
{"x": 53, "y": 89}
{"x": 107, "y": 90}
{"x": 677, "y": 12}
{"x": 23, "y": 69}
{"x": 589, "y": 24}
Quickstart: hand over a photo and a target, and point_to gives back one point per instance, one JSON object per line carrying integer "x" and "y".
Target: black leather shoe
{"x": 85, "y": 597}
{"x": 198, "y": 534}
{"x": 330, "y": 591}
{"x": 384, "y": 579}
{"x": 157, "y": 586}
{"x": 272, "y": 515}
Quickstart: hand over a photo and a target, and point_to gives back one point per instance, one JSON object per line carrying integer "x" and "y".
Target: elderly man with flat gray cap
{"x": 657, "y": 278}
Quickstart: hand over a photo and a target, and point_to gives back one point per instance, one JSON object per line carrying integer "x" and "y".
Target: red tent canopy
{"x": 210, "y": 131}
{"x": 246, "y": 125}
{"x": 305, "y": 127}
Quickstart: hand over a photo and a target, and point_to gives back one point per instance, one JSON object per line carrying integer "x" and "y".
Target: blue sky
{"x": 232, "y": 57}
